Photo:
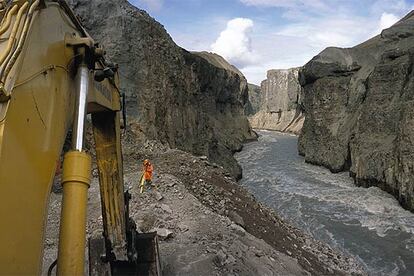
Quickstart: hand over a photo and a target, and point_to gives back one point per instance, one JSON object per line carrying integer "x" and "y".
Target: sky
{"x": 259, "y": 35}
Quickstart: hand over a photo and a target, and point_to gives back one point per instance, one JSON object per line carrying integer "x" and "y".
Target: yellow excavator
{"x": 52, "y": 74}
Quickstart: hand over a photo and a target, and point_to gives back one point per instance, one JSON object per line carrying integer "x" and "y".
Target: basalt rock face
{"x": 194, "y": 102}
{"x": 281, "y": 102}
{"x": 255, "y": 96}
{"x": 359, "y": 111}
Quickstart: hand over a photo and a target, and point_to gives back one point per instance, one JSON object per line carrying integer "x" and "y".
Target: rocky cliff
{"x": 359, "y": 111}
{"x": 280, "y": 102}
{"x": 255, "y": 98}
{"x": 194, "y": 102}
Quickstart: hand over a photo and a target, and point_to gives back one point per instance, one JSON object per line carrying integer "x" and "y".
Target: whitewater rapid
{"x": 368, "y": 224}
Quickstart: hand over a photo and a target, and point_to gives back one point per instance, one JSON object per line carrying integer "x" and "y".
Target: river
{"x": 368, "y": 224}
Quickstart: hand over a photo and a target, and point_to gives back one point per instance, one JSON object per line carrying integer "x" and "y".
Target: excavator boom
{"x": 51, "y": 75}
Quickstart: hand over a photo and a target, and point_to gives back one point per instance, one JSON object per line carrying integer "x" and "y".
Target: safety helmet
{"x": 146, "y": 162}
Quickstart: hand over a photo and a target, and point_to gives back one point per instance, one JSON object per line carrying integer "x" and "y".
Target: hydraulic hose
{"x": 13, "y": 33}
{"x": 6, "y": 23}
{"x": 22, "y": 39}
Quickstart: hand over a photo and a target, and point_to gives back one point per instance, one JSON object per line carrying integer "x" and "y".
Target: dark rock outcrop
{"x": 359, "y": 111}
{"x": 255, "y": 96}
{"x": 281, "y": 102}
{"x": 194, "y": 102}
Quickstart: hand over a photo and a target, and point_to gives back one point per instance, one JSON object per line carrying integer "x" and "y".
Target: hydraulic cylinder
{"x": 76, "y": 180}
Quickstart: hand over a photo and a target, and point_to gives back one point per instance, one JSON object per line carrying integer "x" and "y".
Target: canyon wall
{"x": 255, "y": 98}
{"x": 190, "y": 101}
{"x": 359, "y": 111}
{"x": 281, "y": 102}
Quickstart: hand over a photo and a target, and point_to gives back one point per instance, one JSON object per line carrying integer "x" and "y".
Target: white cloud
{"x": 387, "y": 20}
{"x": 151, "y": 5}
{"x": 321, "y": 6}
{"x": 281, "y": 34}
{"x": 291, "y": 45}
{"x": 320, "y": 33}
{"x": 392, "y": 6}
{"x": 286, "y": 3}
{"x": 234, "y": 43}
{"x": 295, "y": 44}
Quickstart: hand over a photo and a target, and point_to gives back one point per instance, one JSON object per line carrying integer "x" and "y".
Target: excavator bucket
{"x": 146, "y": 264}
{"x": 143, "y": 253}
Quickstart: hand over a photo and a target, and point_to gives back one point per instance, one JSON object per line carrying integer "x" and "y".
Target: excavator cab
{"x": 52, "y": 74}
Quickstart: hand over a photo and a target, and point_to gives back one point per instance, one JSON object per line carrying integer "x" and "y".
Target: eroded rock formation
{"x": 280, "y": 102}
{"x": 194, "y": 102}
{"x": 359, "y": 111}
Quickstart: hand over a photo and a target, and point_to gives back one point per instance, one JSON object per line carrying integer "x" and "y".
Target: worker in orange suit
{"x": 147, "y": 171}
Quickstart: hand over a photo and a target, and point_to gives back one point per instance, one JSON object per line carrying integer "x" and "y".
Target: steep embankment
{"x": 280, "y": 102}
{"x": 359, "y": 111}
{"x": 185, "y": 100}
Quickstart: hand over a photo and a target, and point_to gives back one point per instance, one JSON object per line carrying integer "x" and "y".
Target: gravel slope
{"x": 208, "y": 224}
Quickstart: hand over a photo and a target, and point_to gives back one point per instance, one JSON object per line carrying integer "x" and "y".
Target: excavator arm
{"x": 51, "y": 75}
{"x": 128, "y": 253}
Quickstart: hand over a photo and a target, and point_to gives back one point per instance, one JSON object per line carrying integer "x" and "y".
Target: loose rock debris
{"x": 208, "y": 224}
